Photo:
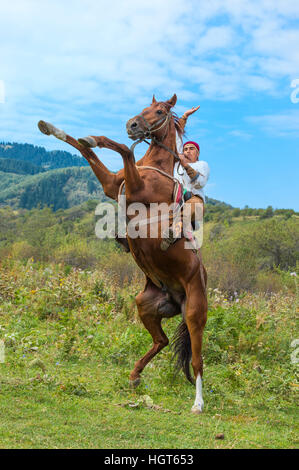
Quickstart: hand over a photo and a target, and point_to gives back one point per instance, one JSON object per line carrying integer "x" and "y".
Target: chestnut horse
{"x": 175, "y": 282}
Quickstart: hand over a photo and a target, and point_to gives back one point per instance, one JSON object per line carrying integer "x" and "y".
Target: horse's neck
{"x": 159, "y": 157}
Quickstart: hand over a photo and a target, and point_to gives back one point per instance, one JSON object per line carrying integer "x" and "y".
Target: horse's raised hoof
{"x": 197, "y": 409}
{"x": 89, "y": 142}
{"x": 135, "y": 383}
{"x": 48, "y": 129}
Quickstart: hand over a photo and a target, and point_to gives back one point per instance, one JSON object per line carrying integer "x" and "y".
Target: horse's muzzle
{"x": 134, "y": 129}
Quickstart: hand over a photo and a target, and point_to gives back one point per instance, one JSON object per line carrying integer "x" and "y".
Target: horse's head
{"x": 152, "y": 121}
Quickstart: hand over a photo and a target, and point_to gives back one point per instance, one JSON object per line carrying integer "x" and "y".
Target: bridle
{"x": 150, "y": 129}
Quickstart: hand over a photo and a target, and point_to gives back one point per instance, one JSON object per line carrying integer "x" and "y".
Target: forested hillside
{"x": 39, "y": 156}
{"x": 19, "y": 167}
{"x": 58, "y": 189}
{"x": 31, "y": 176}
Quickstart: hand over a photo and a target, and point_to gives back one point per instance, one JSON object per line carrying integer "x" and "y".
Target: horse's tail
{"x": 181, "y": 347}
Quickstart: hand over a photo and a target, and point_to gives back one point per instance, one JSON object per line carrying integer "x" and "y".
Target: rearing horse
{"x": 174, "y": 278}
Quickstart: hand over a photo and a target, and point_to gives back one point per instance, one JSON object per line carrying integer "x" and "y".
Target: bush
{"x": 78, "y": 255}
{"x": 242, "y": 256}
{"x": 121, "y": 267}
{"x": 23, "y": 251}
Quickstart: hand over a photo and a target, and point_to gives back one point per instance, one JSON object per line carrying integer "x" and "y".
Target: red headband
{"x": 194, "y": 143}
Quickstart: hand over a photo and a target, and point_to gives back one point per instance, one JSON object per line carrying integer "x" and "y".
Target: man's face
{"x": 190, "y": 153}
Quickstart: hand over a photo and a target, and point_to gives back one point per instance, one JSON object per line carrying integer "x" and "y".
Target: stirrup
{"x": 166, "y": 242}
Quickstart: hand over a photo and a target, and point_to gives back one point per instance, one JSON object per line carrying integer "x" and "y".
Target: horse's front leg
{"x": 133, "y": 181}
{"x": 108, "y": 180}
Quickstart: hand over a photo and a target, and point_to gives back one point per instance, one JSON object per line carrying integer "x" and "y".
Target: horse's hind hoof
{"x": 89, "y": 142}
{"x": 135, "y": 383}
{"x": 49, "y": 129}
{"x": 197, "y": 409}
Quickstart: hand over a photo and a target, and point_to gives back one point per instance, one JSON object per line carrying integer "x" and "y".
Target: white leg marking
{"x": 61, "y": 135}
{"x": 198, "y": 404}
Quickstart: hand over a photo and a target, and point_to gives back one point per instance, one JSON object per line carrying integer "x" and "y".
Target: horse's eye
{"x": 159, "y": 111}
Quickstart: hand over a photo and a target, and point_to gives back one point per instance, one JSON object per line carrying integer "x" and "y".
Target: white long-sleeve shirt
{"x": 196, "y": 187}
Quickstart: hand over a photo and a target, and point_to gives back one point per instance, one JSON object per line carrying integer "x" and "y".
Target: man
{"x": 193, "y": 175}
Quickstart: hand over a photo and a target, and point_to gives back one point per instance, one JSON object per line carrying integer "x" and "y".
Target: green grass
{"x": 72, "y": 338}
{"x": 39, "y": 415}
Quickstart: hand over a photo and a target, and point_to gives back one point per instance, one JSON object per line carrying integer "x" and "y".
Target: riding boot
{"x": 174, "y": 233}
{"x": 192, "y": 213}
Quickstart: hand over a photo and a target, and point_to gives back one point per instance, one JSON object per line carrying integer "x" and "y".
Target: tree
{"x": 236, "y": 212}
{"x": 267, "y": 213}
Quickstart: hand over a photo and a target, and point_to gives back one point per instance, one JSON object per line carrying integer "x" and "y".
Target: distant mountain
{"x": 31, "y": 176}
{"x": 39, "y": 156}
{"x": 19, "y": 167}
{"x": 215, "y": 202}
{"x": 60, "y": 189}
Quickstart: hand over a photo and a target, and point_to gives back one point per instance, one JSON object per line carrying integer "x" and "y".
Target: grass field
{"x": 71, "y": 338}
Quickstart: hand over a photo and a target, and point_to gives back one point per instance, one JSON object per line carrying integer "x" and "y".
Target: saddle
{"x": 176, "y": 232}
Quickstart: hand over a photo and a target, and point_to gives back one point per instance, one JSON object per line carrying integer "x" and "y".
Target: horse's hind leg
{"x": 152, "y": 307}
{"x": 196, "y": 317}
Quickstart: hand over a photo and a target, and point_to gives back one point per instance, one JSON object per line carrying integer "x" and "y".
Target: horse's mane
{"x": 176, "y": 121}
{"x": 178, "y": 128}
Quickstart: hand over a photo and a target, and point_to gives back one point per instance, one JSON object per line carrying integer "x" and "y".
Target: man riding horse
{"x": 175, "y": 278}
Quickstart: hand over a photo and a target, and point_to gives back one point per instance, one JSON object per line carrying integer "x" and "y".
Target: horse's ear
{"x": 172, "y": 101}
{"x": 154, "y": 100}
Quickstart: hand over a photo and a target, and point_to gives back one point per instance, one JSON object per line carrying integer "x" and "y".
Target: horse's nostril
{"x": 133, "y": 125}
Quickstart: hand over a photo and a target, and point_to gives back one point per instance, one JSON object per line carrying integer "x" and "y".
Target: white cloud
{"x": 2, "y": 92}
{"x": 240, "y": 134}
{"x": 284, "y": 124}
{"x": 99, "y": 62}
{"x": 214, "y": 38}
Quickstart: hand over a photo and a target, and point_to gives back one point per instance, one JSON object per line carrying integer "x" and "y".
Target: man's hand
{"x": 183, "y": 160}
{"x": 190, "y": 111}
{"x": 191, "y": 172}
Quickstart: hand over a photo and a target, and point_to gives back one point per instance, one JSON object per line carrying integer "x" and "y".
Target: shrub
{"x": 22, "y": 250}
{"x": 78, "y": 255}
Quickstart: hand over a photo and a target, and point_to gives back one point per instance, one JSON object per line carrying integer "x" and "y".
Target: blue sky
{"x": 87, "y": 66}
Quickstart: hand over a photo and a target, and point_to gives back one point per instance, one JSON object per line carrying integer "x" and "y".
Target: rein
{"x": 177, "y": 191}
{"x": 176, "y": 182}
